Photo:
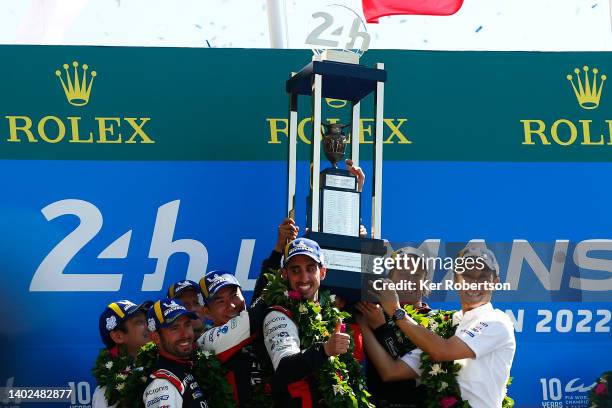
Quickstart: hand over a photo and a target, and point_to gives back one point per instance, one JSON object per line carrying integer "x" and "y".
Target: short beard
{"x": 172, "y": 349}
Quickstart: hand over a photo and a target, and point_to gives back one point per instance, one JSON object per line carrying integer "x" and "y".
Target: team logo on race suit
{"x": 157, "y": 399}
{"x": 222, "y": 330}
{"x": 111, "y": 323}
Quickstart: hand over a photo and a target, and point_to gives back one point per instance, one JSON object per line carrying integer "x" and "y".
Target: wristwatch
{"x": 399, "y": 314}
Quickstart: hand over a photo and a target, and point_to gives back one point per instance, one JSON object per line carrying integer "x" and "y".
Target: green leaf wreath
{"x": 126, "y": 379}
{"x": 340, "y": 382}
{"x": 440, "y": 378}
{"x": 112, "y": 372}
{"x": 600, "y": 397}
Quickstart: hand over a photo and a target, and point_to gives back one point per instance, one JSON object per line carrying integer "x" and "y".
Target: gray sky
{"x": 480, "y": 25}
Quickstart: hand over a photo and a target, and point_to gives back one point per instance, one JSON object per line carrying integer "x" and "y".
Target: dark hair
{"x": 108, "y": 341}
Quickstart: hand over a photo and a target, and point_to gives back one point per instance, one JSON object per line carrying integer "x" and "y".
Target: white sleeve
{"x": 413, "y": 360}
{"x": 485, "y": 336}
{"x": 222, "y": 338}
{"x": 99, "y": 400}
{"x": 162, "y": 393}
{"x": 280, "y": 336}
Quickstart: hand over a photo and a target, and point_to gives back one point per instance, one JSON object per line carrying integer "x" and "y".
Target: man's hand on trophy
{"x": 386, "y": 296}
{"x": 338, "y": 343}
{"x": 357, "y": 171}
{"x": 287, "y": 231}
{"x": 372, "y": 313}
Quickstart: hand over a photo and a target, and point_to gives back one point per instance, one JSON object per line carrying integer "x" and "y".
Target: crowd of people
{"x": 388, "y": 353}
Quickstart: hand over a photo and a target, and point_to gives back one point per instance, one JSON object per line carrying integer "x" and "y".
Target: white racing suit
{"x": 239, "y": 348}
{"x": 293, "y": 383}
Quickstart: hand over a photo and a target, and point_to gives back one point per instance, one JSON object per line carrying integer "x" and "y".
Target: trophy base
{"x": 347, "y": 260}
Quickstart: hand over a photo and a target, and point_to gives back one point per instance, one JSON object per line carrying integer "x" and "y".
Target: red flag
{"x": 373, "y": 9}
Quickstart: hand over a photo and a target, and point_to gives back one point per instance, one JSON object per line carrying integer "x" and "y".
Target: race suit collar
{"x": 174, "y": 359}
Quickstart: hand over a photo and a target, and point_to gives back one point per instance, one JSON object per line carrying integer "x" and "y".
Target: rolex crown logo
{"x": 77, "y": 89}
{"x": 588, "y": 92}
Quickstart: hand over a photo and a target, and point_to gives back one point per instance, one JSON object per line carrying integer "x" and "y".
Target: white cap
{"x": 480, "y": 250}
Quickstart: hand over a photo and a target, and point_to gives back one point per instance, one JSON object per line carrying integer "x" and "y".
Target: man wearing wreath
{"x": 303, "y": 343}
{"x": 123, "y": 330}
{"x": 236, "y": 335}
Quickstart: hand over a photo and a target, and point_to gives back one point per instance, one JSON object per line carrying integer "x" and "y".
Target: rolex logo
{"x": 588, "y": 91}
{"x": 336, "y": 103}
{"x": 77, "y": 88}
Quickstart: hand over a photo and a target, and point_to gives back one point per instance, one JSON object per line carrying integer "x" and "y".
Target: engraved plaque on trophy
{"x": 340, "y": 200}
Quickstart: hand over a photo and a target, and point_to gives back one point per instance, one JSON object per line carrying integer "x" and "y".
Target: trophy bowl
{"x": 334, "y": 142}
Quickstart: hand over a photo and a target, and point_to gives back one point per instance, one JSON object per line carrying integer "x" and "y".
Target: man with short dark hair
{"x": 172, "y": 384}
{"x": 295, "y": 366}
{"x": 223, "y": 298}
{"x": 123, "y": 329}
{"x": 235, "y": 339}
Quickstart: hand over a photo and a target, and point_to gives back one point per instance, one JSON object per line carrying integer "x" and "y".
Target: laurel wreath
{"x": 126, "y": 379}
{"x": 112, "y": 372}
{"x": 440, "y": 378}
{"x": 340, "y": 382}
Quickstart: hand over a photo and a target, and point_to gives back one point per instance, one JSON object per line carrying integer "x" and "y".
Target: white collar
{"x": 472, "y": 314}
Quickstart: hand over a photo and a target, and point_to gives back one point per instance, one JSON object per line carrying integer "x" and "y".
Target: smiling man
{"x": 172, "y": 384}
{"x": 188, "y": 292}
{"x": 483, "y": 343}
{"x": 294, "y": 366}
{"x": 236, "y": 338}
{"x": 123, "y": 329}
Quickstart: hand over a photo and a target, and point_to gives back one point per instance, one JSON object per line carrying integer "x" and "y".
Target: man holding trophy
{"x": 303, "y": 331}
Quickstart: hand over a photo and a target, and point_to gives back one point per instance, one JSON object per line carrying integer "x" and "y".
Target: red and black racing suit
{"x": 238, "y": 346}
{"x": 172, "y": 385}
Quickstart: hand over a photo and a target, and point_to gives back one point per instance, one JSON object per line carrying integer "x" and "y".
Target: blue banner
{"x": 78, "y": 234}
